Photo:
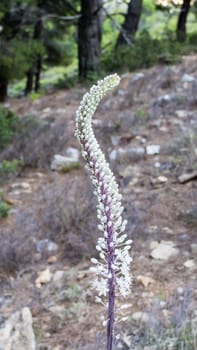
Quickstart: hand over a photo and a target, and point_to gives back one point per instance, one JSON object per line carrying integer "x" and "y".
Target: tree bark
{"x": 29, "y": 82}
{"x": 35, "y": 70}
{"x": 38, "y": 73}
{"x": 130, "y": 24}
{"x": 89, "y": 37}
{"x": 181, "y": 25}
{"x": 3, "y": 88}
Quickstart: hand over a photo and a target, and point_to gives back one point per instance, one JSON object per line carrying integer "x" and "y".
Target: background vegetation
{"x": 40, "y": 47}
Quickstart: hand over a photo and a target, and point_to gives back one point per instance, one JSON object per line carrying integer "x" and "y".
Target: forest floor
{"x": 147, "y": 128}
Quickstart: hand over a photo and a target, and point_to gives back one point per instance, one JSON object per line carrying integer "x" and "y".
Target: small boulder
{"x": 17, "y": 332}
{"x": 164, "y": 251}
{"x": 43, "y": 278}
{"x": 64, "y": 163}
{"x": 186, "y": 78}
{"x": 58, "y": 279}
{"x": 153, "y": 149}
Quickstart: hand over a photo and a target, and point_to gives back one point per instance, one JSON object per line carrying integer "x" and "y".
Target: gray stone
{"x": 153, "y": 149}
{"x": 57, "y": 310}
{"x": 181, "y": 113}
{"x": 186, "y": 78}
{"x": 113, "y": 155}
{"x": 62, "y": 162}
{"x": 137, "y": 77}
{"x": 73, "y": 152}
{"x": 164, "y": 251}
{"x": 138, "y": 151}
{"x": 194, "y": 248}
{"x": 189, "y": 264}
{"x": 115, "y": 140}
{"x": 163, "y": 100}
{"x": 20, "y": 187}
{"x": 17, "y": 333}
{"x": 140, "y": 316}
{"x": 128, "y": 153}
{"x": 58, "y": 278}
{"x": 46, "y": 245}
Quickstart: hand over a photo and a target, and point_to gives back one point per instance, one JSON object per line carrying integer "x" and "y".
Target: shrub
{"x": 4, "y": 207}
{"x": 8, "y": 124}
{"x": 145, "y": 52}
{"x": 9, "y": 169}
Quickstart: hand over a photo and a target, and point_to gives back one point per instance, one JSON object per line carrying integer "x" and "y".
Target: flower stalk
{"x": 112, "y": 269}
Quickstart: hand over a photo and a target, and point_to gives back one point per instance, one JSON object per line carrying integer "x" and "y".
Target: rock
{"x": 138, "y": 151}
{"x": 115, "y": 140}
{"x": 186, "y": 78}
{"x": 187, "y": 177}
{"x": 181, "y": 113}
{"x": 189, "y": 263}
{"x": 140, "y": 316}
{"x": 64, "y": 163}
{"x": 164, "y": 251}
{"x": 183, "y": 237}
{"x": 153, "y": 245}
{"x": 153, "y": 149}
{"x": 19, "y": 187}
{"x": 17, "y": 332}
{"x": 57, "y": 310}
{"x": 73, "y": 152}
{"x": 58, "y": 279}
{"x": 46, "y": 245}
{"x": 163, "y": 100}
{"x": 9, "y": 200}
{"x": 145, "y": 280}
{"x": 157, "y": 165}
{"x": 180, "y": 290}
{"x": 128, "y": 153}
{"x": 194, "y": 248}
{"x": 52, "y": 259}
{"x": 43, "y": 278}
{"x": 97, "y": 122}
{"x": 137, "y": 77}
{"x": 162, "y": 179}
{"x": 113, "y": 155}
{"x": 168, "y": 230}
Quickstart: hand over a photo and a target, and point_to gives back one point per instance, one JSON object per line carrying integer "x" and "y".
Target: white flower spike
{"x": 112, "y": 273}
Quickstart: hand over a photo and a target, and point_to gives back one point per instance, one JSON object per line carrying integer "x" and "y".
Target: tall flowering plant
{"x": 112, "y": 269}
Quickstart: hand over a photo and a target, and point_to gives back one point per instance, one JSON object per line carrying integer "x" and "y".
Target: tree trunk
{"x": 29, "y": 82}
{"x": 35, "y": 70}
{"x": 181, "y": 25}
{"x": 3, "y": 89}
{"x": 130, "y": 24}
{"x": 38, "y": 73}
{"x": 89, "y": 37}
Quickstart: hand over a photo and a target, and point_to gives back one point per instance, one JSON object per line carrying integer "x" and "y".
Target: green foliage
{"x": 9, "y": 169}
{"x": 17, "y": 57}
{"x": 8, "y": 124}
{"x": 145, "y": 52}
{"x": 67, "y": 81}
{"x": 4, "y": 207}
{"x": 69, "y": 167}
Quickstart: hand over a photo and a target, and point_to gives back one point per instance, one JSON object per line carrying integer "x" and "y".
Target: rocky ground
{"x": 147, "y": 128}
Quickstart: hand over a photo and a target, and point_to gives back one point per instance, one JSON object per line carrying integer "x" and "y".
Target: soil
{"x": 157, "y": 106}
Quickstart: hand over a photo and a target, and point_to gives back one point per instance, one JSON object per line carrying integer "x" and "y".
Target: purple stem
{"x": 111, "y": 294}
{"x": 111, "y": 272}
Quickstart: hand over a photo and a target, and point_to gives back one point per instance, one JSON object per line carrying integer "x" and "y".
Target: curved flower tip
{"x": 112, "y": 269}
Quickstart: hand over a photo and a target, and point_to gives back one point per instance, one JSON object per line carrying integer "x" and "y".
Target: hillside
{"x": 147, "y": 128}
